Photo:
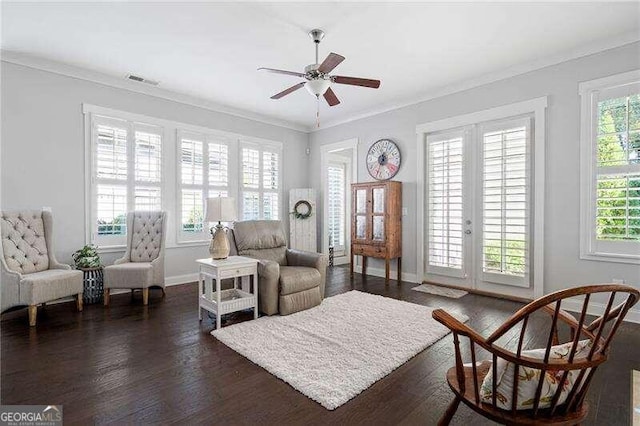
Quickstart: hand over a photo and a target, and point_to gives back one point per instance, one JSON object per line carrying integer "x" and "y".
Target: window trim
{"x": 588, "y": 92}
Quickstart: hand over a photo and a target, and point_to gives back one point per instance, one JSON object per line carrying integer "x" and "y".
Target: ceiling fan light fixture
{"x": 317, "y": 86}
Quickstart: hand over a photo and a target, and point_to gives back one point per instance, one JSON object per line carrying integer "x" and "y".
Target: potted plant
{"x": 87, "y": 257}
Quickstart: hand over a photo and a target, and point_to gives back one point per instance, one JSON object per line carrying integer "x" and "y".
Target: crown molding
{"x": 72, "y": 71}
{"x": 569, "y": 55}
{"x": 112, "y": 81}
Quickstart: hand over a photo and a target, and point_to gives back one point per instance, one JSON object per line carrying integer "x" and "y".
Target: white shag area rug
{"x": 440, "y": 291}
{"x": 336, "y": 350}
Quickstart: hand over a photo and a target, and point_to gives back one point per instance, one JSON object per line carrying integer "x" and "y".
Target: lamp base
{"x": 219, "y": 247}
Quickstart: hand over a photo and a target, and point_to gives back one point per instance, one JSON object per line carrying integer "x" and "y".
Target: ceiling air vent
{"x": 141, "y": 79}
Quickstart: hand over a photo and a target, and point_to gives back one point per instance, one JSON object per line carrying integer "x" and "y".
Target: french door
{"x": 478, "y": 204}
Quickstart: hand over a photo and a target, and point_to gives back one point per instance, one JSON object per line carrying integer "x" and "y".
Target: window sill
{"x": 184, "y": 244}
{"x": 111, "y": 249}
{"x": 609, "y": 257}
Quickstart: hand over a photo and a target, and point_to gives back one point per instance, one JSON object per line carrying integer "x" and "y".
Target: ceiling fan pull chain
{"x": 318, "y": 111}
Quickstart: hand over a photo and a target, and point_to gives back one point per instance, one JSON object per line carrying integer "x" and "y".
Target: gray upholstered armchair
{"x": 142, "y": 265}
{"x": 288, "y": 280}
{"x": 30, "y": 273}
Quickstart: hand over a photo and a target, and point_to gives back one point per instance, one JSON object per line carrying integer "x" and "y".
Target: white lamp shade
{"x": 221, "y": 209}
{"x": 318, "y": 86}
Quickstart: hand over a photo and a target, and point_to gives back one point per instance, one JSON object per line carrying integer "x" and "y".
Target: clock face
{"x": 383, "y": 159}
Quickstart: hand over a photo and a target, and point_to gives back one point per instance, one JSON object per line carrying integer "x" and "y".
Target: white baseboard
{"x": 378, "y": 272}
{"x": 597, "y": 309}
{"x": 340, "y": 260}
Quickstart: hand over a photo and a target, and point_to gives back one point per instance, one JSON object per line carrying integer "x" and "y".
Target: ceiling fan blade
{"x": 355, "y": 81}
{"x": 276, "y": 71}
{"x": 332, "y": 61}
{"x": 287, "y": 91}
{"x": 331, "y": 97}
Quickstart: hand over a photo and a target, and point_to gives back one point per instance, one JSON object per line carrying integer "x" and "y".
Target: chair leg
{"x": 33, "y": 313}
{"x": 106, "y": 296}
{"x": 163, "y": 293}
{"x": 451, "y": 410}
{"x": 79, "y": 302}
{"x": 145, "y": 296}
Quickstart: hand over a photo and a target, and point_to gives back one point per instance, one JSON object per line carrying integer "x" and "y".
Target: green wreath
{"x": 299, "y": 215}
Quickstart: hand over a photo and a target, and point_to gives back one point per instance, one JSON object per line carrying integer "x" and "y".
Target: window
{"x": 611, "y": 168}
{"x": 204, "y": 173}
{"x": 260, "y": 185}
{"x": 126, "y": 174}
{"x": 337, "y": 205}
{"x": 135, "y": 162}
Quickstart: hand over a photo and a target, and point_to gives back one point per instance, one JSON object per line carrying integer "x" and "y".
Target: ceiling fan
{"x": 318, "y": 81}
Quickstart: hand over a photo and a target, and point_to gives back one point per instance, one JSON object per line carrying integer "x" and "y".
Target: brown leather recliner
{"x": 288, "y": 280}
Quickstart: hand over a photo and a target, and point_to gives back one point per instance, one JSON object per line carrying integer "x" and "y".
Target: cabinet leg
{"x": 386, "y": 270}
{"x": 399, "y": 270}
{"x": 351, "y": 265}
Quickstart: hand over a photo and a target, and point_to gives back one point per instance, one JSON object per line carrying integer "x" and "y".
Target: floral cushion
{"x": 528, "y": 379}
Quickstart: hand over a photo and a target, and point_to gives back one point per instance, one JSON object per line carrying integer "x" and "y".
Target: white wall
{"x": 43, "y": 149}
{"x": 563, "y": 267}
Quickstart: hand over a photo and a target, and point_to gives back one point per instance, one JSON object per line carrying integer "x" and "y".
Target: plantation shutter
{"x": 506, "y": 170}
{"x": 148, "y": 167}
{"x": 192, "y": 185}
{"x": 336, "y": 198}
{"x": 445, "y": 246}
{"x": 126, "y": 175}
{"x": 617, "y": 180}
{"x": 260, "y": 185}
{"x": 270, "y": 185}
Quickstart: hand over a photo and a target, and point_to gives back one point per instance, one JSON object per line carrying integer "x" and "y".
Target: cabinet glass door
{"x": 378, "y": 228}
{"x": 378, "y": 214}
{"x": 361, "y": 201}
{"x": 378, "y": 200}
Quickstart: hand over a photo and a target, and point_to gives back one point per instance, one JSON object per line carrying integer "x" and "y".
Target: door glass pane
{"x": 505, "y": 208}
{"x": 361, "y": 201}
{"x": 445, "y": 204}
{"x": 378, "y": 200}
{"x": 378, "y": 228}
{"x": 361, "y": 227}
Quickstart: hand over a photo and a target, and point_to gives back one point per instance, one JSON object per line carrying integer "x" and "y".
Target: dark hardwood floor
{"x": 130, "y": 364}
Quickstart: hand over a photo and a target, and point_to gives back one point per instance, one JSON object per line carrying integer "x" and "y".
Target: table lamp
{"x": 220, "y": 209}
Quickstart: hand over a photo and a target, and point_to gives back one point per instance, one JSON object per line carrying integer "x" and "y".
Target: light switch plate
{"x": 617, "y": 281}
{"x": 405, "y": 211}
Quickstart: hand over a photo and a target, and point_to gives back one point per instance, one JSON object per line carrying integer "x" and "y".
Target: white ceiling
{"x": 212, "y": 50}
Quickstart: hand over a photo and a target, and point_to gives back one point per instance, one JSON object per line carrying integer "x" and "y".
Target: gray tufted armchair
{"x": 142, "y": 265}
{"x": 30, "y": 274}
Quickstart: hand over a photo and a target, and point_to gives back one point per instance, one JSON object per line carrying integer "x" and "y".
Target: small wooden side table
{"x": 218, "y": 301}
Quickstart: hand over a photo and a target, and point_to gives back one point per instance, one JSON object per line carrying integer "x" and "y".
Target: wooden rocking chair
{"x": 466, "y": 380}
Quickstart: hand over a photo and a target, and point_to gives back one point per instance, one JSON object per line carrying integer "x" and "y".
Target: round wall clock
{"x": 383, "y": 159}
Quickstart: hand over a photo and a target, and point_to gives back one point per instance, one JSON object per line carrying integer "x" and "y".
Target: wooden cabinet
{"x": 376, "y": 226}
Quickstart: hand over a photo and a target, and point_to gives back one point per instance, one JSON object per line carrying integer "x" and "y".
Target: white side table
{"x": 220, "y": 301}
